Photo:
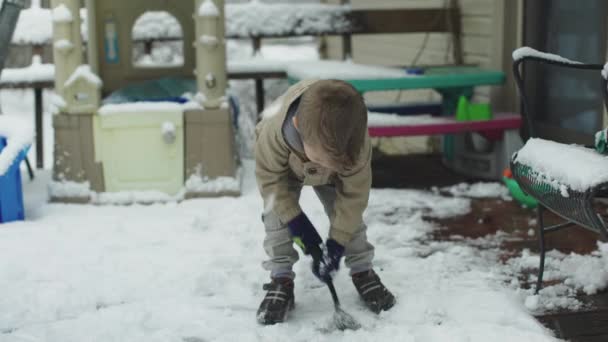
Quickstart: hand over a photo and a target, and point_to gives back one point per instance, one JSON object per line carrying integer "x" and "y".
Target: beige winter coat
{"x": 279, "y": 168}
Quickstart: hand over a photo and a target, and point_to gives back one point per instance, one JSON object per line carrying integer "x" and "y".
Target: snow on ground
{"x": 192, "y": 269}
{"x": 479, "y": 190}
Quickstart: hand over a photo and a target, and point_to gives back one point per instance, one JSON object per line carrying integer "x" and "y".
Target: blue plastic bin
{"x": 11, "y": 193}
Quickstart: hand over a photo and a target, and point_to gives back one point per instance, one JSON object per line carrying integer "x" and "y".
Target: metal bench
{"x": 575, "y": 205}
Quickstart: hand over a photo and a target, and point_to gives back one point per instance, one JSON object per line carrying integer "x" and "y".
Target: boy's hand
{"x": 327, "y": 261}
{"x": 304, "y": 234}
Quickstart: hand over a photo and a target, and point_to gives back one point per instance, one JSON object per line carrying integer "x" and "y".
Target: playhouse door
{"x": 141, "y": 151}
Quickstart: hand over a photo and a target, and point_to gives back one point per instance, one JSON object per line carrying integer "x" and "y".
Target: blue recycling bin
{"x": 11, "y": 193}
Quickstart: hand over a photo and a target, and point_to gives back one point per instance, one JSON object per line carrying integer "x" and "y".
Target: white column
{"x": 67, "y": 40}
{"x": 210, "y": 52}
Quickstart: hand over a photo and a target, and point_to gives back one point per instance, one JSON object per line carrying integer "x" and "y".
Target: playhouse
{"x": 123, "y": 125}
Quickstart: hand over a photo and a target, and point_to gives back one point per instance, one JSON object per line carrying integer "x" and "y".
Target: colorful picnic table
{"x": 451, "y": 82}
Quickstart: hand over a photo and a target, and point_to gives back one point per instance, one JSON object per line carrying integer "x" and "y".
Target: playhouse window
{"x": 157, "y": 41}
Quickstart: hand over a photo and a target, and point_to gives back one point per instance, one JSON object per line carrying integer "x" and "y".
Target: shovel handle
{"x": 334, "y": 295}
{"x": 316, "y": 255}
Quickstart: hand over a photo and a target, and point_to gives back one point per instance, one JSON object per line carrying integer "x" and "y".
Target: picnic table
{"x": 451, "y": 82}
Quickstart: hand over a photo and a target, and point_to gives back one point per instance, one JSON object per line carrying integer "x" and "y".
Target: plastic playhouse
{"x": 124, "y": 126}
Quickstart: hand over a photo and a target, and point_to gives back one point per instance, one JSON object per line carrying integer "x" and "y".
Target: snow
{"x": 34, "y": 26}
{"x": 69, "y": 189}
{"x": 281, "y": 19}
{"x": 19, "y": 134}
{"x": 479, "y": 190}
{"x": 530, "y": 52}
{"x": 62, "y": 14}
{"x": 35, "y": 23}
{"x": 385, "y": 119}
{"x": 85, "y": 72}
{"x": 208, "y": 9}
{"x": 143, "y": 107}
{"x": 605, "y": 71}
{"x": 36, "y": 72}
{"x": 208, "y": 40}
{"x": 157, "y": 24}
{"x": 576, "y": 167}
{"x": 341, "y": 70}
{"x": 165, "y": 272}
{"x": 197, "y": 183}
{"x": 63, "y": 44}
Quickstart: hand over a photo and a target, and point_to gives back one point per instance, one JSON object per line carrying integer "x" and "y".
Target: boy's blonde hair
{"x": 332, "y": 116}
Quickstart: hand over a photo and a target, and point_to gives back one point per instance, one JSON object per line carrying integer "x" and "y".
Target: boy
{"x": 316, "y": 134}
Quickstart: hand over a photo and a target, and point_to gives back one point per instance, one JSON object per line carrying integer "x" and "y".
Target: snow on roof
{"x": 36, "y": 72}
{"x": 62, "y": 14}
{"x": 157, "y": 24}
{"x": 83, "y": 71}
{"x": 577, "y": 167}
{"x": 208, "y": 9}
{"x": 34, "y": 26}
{"x": 35, "y": 23}
{"x": 19, "y": 133}
{"x": 342, "y": 70}
{"x": 530, "y": 52}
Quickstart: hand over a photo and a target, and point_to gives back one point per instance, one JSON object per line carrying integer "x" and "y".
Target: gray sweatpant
{"x": 282, "y": 254}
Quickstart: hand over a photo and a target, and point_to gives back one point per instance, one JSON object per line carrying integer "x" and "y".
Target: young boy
{"x": 316, "y": 134}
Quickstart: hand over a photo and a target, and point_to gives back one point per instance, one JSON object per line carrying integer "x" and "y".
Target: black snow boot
{"x": 372, "y": 291}
{"x": 278, "y": 301}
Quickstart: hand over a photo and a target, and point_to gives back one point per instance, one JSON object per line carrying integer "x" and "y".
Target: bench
{"x": 563, "y": 178}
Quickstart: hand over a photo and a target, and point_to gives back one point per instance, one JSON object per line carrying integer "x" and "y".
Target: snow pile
{"x": 565, "y": 276}
{"x": 208, "y": 9}
{"x": 384, "y": 119}
{"x": 62, "y": 14}
{"x": 69, "y": 189}
{"x": 83, "y": 71}
{"x": 342, "y": 70}
{"x": 258, "y": 18}
{"x": 36, "y": 72}
{"x": 157, "y": 24}
{"x": 145, "y": 107}
{"x": 34, "y": 26}
{"x": 574, "y": 166}
{"x": 19, "y": 134}
{"x": 525, "y": 51}
{"x": 196, "y": 183}
{"x": 479, "y": 190}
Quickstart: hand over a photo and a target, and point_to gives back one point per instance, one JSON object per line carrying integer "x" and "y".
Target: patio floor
{"x": 491, "y": 215}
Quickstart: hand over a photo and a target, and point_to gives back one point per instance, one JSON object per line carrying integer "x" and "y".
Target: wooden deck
{"x": 487, "y": 217}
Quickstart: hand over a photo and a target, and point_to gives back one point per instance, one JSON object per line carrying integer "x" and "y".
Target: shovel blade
{"x": 344, "y": 321}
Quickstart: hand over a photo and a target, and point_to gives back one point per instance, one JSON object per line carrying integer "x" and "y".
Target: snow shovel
{"x": 342, "y": 320}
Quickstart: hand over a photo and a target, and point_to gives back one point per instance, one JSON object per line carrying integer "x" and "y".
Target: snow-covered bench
{"x": 566, "y": 179}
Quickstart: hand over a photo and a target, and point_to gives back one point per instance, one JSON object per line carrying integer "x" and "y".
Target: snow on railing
{"x": 35, "y": 23}
{"x": 525, "y": 51}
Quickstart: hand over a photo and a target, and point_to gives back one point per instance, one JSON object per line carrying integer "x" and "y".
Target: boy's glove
{"x": 327, "y": 261}
{"x": 304, "y": 234}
